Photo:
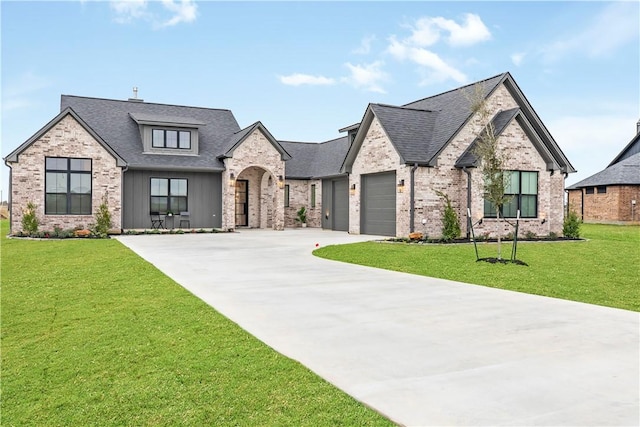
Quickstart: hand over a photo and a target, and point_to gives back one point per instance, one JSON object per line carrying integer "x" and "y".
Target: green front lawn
{"x": 94, "y": 335}
{"x": 604, "y": 270}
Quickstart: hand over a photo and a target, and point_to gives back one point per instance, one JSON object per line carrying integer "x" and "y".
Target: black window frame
{"x": 313, "y": 196}
{"x": 590, "y": 190}
{"x": 286, "y": 195}
{"x": 601, "y": 189}
{"x": 171, "y": 199}
{"x": 69, "y": 172}
{"x": 491, "y": 212}
{"x": 178, "y": 132}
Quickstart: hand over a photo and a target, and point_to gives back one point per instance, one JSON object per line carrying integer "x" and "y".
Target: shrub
{"x": 530, "y": 235}
{"x": 571, "y": 226}
{"x": 103, "y": 220}
{"x": 301, "y": 215}
{"x": 450, "y": 222}
{"x": 30, "y": 221}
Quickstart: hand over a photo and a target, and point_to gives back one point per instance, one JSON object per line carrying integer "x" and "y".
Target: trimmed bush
{"x": 30, "y": 221}
{"x": 571, "y": 226}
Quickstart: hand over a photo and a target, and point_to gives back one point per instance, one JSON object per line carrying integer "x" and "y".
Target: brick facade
{"x": 257, "y": 161}
{"x": 300, "y": 195}
{"x": 66, "y": 138}
{"x": 614, "y": 205}
{"x": 377, "y": 154}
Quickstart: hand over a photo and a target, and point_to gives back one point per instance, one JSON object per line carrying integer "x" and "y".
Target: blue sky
{"x": 306, "y": 69}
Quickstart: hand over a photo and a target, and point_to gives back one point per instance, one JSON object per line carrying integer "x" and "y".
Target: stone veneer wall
{"x": 613, "y": 206}
{"x": 67, "y": 138}
{"x": 256, "y": 151}
{"x": 445, "y": 177}
{"x": 300, "y": 195}
{"x": 377, "y": 154}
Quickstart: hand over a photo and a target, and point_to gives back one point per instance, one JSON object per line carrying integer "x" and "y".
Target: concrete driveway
{"x": 421, "y": 351}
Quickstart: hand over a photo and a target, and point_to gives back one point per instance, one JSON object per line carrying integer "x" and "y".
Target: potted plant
{"x": 169, "y": 213}
{"x": 302, "y": 216}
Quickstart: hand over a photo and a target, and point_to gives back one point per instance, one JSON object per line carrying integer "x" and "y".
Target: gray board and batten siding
{"x": 378, "y": 204}
{"x": 335, "y": 204}
{"x": 204, "y": 198}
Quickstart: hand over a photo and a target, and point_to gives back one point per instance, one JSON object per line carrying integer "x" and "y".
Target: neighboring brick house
{"x": 613, "y": 194}
{"x": 381, "y": 178}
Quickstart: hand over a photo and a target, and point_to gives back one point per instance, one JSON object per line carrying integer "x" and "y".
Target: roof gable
{"x": 422, "y": 129}
{"x": 13, "y": 156}
{"x": 240, "y": 136}
{"x": 500, "y": 122}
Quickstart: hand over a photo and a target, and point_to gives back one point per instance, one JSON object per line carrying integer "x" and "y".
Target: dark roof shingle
{"x": 113, "y": 121}
{"x": 625, "y": 172}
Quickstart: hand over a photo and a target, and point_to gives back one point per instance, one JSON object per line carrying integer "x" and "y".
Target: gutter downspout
{"x": 468, "y": 172}
{"x": 9, "y": 206}
{"x": 412, "y": 202}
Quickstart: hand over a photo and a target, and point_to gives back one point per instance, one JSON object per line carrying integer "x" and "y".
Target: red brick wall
{"x": 614, "y": 205}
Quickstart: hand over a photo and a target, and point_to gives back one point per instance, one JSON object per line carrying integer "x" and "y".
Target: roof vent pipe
{"x": 638, "y": 127}
{"x": 135, "y": 95}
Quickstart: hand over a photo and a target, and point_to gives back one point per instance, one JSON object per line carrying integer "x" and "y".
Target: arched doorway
{"x": 255, "y": 198}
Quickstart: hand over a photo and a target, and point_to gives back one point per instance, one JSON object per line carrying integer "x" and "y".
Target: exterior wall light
{"x": 401, "y": 186}
{"x": 232, "y": 180}
{"x": 280, "y": 181}
{"x": 352, "y": 189}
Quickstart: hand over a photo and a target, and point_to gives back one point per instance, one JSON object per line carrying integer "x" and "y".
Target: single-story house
{"x": 613, "y": 194}
{"x": 380, "y": 178}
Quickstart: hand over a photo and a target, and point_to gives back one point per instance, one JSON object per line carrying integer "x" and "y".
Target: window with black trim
{"x": 286, "y": 196}
{"x": 602, "y": 189}
{"x": 313, "y": 195}
{"x": 522, "y": 186}
{"x": 169, "y": 195}
{"x": 171, "y": 138}
{"x": 67, "y": 186}
{"x": 590, "y": 190}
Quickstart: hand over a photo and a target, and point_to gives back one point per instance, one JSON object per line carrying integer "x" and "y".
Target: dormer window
{"x": 168, "y": 135}
{"x": 167, "y": 138}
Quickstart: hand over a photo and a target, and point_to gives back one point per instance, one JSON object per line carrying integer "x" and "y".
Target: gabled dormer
{"x": 168, "y": 135}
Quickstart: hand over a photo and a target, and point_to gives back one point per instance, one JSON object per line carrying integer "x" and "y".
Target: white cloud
{"x": 365, "y": 45}
{"x": 129, "y": 10}
{"x": 517, "y": 58}
{"x": 184, "y": 11}
{"x": 298, "y": 79}
{"x": 427, "y": 31}
{"x": 614, "y": 27}
{"x": 433, "y": 68}
{"x": 368, "y": 76}
{"x": 181, "y": 11}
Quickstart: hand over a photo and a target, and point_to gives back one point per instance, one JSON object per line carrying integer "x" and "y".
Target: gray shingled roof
{"x": 315, "y": 160}
{"x": 410, "y": 130}
{"x": 625, "y": 172}
{"x": 454, "y": 109}
{"x": 500, "y": 122}
{"x": 113, "y": 121}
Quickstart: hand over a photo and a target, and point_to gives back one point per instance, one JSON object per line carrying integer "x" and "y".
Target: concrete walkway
{"x": 421, "y": 351}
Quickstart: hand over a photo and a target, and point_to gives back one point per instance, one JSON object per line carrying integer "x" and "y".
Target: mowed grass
{"x": 603, "y": 270}
{"x": 94, "y": 335}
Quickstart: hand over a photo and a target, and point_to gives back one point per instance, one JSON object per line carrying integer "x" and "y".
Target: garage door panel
{"x": 378, "y": 204}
